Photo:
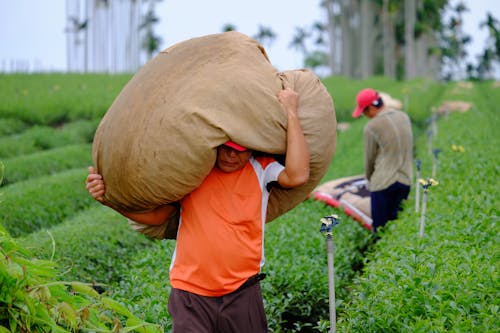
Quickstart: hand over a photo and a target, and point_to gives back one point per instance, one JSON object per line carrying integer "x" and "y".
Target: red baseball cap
{"x": 235, "y": 146}
{"x": 365, "y": 98}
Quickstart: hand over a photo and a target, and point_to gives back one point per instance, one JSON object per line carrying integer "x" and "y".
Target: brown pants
{"x": 241, "y": 311}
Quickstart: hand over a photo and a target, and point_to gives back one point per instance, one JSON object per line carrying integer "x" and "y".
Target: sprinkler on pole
{"x": 435, "y": 153}
{"x": 434, "y": 118}
{"x": 426, "y": 184}
{"x": 429, "y": 140}
{"x": 418, "y": 164}
{"x": 327, "y": 224}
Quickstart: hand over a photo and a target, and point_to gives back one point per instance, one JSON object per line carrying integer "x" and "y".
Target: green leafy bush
{"x": 32, "y": 299}
{"x": 47, "y": 162}
{"x": 53, "y": 99}
{"x": 447, "y": 280}
{"x": 44, "y": 202}
{"x": 104, "y": 234}
{"x": 39, "y": 138}
{"x": 9, "y": 126}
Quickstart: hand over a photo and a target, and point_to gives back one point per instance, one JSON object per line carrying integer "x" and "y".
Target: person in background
{"x": 388, "y": 146}
{"x": 216, "y": 266}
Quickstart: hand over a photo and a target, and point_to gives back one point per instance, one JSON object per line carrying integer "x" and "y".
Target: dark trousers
{"x": 386, "y": 204}
{"x": 241, "y": 311}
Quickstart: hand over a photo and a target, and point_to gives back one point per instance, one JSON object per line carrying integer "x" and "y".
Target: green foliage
{"x": 348, "y": 157}
{"x": 104, "y": 234}
{"x": 148, "y": 269}
{"x": 9, "y": 126}
{"x": 39, "y": 138}
{"x": 43, "y": 202}
{"x": 447, "y": 280}
{"x": 47, "y": 162}
{"x": 33, "y": 300}
{"x": 53, "y": 99}
{"x": 296, "y": 289}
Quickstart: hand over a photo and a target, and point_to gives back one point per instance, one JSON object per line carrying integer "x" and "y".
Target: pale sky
{"x": 32, "y": 31}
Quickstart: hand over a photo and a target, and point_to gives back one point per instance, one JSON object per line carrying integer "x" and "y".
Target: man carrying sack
{"x": 216, "y": 266}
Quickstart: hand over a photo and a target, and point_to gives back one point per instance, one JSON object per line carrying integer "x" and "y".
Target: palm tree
{"x": 491, "y": 53}
{"x": 493, "y": 26}
{"x": 410, "y": 20}
{"x": 74, "y": 41}
{"x": 388, "y": 39}
{"x": 299, "y": 40}
{"x": 331, "y": 7}
{"x": 151, "y": 42}
{"x": 453, "y": 41}
{"x": 265, "y": 36}
{"x": 228, "y": 27}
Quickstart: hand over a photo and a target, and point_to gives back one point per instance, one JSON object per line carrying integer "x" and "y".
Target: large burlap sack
{"x": 158, "y": 140}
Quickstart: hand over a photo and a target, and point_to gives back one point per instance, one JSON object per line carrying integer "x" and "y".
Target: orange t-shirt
{"x": 221, "y": 233}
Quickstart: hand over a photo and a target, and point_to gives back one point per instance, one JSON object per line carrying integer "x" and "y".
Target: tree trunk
{"x": 330, "y": 10}
{"x": 410, "y": 19}
{"x": 86, "y": 39}
{"x": 368, "y": 31}
{"x": 388, "y": 41}
{"x": 347, "y": 37}
{"x": 69, "y": 41}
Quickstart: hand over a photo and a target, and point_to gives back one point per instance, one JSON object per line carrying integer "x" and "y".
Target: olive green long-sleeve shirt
{"x": 388, "y": 141}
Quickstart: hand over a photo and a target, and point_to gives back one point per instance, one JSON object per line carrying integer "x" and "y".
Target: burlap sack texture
{"x": 158, "y": 140}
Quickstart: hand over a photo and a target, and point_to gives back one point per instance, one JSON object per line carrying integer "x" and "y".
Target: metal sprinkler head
{"x": 436, "y": 152}
{"x": 418, "y": 163}
{"x": 327, "y": 224}
{"x": 427, "y": 183}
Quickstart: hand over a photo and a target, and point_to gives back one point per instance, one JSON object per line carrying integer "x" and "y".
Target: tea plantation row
{"x": 447, "y": 280}
{"x": 47, "y": 146}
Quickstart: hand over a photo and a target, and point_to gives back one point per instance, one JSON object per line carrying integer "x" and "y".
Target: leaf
{"x": 4, "y": 329}
{"x": 84, "y": 288}
{"x": 137, "y": 325}
{"x": 117, "y": 307}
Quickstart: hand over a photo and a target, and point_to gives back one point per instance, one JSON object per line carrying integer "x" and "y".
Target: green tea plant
{"x": 445, "y": 281}
{"x": 39, "y": 138}
{"x": 33, "y": 300}
{"x": 9, "y": 126}
{"x": 54, "y": 99}
{"x": 448, "y": 280}
{"x": 104, "y": 234}
{"x": 44, "y": 201}
{"x": 47, "y": 162}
